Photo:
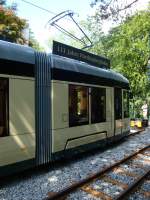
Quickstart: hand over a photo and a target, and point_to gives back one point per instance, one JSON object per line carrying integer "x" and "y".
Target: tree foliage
{"x": 13, "y": 28}
{"x": 113, "y": 9}
{"x": 128, "y": 47}
{"x": 33, "y": 42}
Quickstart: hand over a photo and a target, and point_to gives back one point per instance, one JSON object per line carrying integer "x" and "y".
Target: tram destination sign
{"x": 78, "y": 54}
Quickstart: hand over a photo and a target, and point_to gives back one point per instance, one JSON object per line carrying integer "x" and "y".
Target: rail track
{"x": 142, "y": 189}
{"x": 134, "y": 168}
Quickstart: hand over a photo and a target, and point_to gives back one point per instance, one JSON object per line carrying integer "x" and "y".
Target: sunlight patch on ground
{"x": 53, "y": 179}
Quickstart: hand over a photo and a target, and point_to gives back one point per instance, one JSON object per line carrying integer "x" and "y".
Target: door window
{"x": 98, "y": 105}
{"x": 118, "y": 103}
{"x": 126, "y": 103}
{"x": 78, "y": 105}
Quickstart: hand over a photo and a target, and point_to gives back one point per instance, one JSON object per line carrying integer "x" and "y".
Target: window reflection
{"x": 126, "y": 103}
{"x": 118, "y": 103}
{"x": 78, "y": 105}
{"x": 98, "y": 105}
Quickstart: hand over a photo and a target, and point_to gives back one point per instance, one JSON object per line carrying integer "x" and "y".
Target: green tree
{"x": 112, "y": 9}
{"x": 33, "y": 42}
{"x": 128, "y": 48}
{"x": 12, "y": 27}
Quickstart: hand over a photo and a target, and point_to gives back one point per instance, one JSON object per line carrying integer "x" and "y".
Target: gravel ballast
{"x": 37, "y": 186}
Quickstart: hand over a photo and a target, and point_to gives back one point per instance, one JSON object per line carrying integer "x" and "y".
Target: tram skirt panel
{"x": 43, "y": 108}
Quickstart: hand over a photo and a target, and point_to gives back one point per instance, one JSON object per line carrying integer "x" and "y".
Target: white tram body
{"x": 52, "y": 106}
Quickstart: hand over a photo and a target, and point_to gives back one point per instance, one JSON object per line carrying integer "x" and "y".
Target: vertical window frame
{"x": 6, "y": 127}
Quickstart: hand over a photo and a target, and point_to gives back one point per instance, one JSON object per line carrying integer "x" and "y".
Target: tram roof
{"x": 67, "y": 69}
{"x": 63, "y": 68}
{"x": 16, "y": 52}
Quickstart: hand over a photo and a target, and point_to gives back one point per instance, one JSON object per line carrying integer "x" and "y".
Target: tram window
{"x": 126, "y": 104}
{"x": 78, "y": 105}
{"x": 118, "y": 103}
{"x": 98, "y": 105}
{"x": 3, "y": 107}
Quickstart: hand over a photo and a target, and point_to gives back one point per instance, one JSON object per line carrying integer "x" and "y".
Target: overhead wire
{"x": 68, "y": 33}
{"x": 41, "y": 8}
{"x": 60, "y": 28}
{"x": 44, "y": 9}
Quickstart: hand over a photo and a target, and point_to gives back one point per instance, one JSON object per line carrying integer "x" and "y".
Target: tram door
{"x": 118, "y": 110}
{"x": 3, "y": 107}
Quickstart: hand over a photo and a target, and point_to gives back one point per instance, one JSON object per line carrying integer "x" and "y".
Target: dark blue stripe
{"x": 43, "y": 108}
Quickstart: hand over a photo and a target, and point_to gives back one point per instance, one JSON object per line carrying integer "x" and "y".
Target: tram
{"x": 55, "y": 105}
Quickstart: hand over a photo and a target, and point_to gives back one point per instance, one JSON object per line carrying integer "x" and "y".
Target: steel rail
{"x": 64, "y": 192}
{"x": 132, "y": 186}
